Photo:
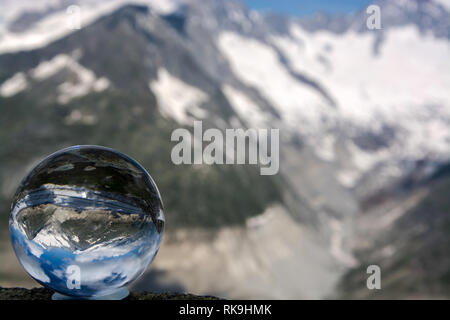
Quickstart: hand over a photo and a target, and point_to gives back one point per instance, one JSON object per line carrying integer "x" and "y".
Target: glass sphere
{"x": 86, "y": 221}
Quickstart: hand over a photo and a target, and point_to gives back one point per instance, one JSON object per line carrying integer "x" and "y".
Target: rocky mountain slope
{"x": 406, "y": 234}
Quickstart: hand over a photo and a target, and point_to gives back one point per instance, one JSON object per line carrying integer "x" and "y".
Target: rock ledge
{"x": 46, "y": 294}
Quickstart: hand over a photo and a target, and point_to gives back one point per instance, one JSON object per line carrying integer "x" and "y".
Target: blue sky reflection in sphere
{"x": 89, "y": 212}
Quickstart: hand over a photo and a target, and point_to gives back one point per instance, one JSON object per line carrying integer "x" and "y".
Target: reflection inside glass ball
{"x": 86, "y": 221}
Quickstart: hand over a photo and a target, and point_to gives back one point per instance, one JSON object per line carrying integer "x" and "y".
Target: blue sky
{"x": 307, "y": 7}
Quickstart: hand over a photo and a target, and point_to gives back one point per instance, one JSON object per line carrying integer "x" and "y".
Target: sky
{"x": 307, "y": 7}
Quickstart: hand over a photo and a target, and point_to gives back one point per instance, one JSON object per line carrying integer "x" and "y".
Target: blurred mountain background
{"x": 364, "y": 119}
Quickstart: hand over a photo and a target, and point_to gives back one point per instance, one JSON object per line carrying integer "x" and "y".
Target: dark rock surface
{"x": 46, "y": 294}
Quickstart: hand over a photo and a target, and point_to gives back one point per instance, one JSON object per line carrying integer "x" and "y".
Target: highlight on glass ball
{"x": 86, "y": 222}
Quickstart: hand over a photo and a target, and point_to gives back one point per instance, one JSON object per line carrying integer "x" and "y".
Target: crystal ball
{"x": 86, "y": 221}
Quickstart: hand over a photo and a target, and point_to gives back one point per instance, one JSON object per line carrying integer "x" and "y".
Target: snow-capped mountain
{"x": 28, "y": 24}
{"x": 357, "y": 110}
{"x": 352, "y": 86}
